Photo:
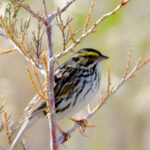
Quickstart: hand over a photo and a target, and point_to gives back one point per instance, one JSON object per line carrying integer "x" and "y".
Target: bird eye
{"x": 75, "y": 58}
{"x": 90, "y": 56}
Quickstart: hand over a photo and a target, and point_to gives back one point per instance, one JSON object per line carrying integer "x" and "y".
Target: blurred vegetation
{"x": 123, "y": 123}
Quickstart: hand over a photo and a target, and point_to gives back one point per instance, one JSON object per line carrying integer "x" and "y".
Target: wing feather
{"x": 63, "y": 85}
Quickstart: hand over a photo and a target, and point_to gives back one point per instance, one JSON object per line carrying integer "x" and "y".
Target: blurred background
{"x": 123, "y": 123}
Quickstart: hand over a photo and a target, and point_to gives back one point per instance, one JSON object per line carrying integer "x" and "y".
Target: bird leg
{"x": 83, "y": 124}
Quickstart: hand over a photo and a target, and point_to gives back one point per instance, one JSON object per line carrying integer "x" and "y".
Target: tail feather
{"x": 34, "y": 111}
{"x": 26, "y": 124}
{"x": 20, "y": 133}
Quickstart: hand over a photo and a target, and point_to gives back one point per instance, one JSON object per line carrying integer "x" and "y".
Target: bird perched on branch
{"x": 77, "y": 82}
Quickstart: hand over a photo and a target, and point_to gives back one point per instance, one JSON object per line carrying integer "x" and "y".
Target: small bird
{"x": 77, "y": 82}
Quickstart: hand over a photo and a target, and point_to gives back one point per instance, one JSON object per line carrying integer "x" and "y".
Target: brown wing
{"x": 64, "y": 83}
{"x": 64, "y": 80}
{"x": 64, "y": 90}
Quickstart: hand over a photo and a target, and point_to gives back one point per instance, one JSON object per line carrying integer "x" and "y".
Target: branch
{"x": 55, "y": 13}
{"x": 88, "y": 17}
{"x": 50, "y": 90}
{"x": 71, "y": 34}
{"x": 45, "y": 9}
{"x": 46, "y": 21}
{"x": 50, "y": 67}
{"x": 2, "y": 33}
{"x": 50, "y": 77}
{"x": 128, "y": 62}
{"x": 40, "y": 94}
{"x": 7, "y": 129}
{"x": 6, "y": 51}
{"x": 17, "y": 44}
{"x": 91, "y": 30}
{"x": 61, "y": 26}
{"x": 109, "y": 79}
{"x": 28, "y": 9}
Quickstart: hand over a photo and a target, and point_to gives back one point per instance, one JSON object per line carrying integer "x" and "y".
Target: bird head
{"x": 88, "y": 56}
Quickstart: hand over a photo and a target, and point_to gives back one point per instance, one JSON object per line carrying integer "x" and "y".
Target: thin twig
{"x": 23, "y": 145}
{"x": 38, "y": 79}
{"x": 7, "y": 128}
{"x": 88, "y": 17}
{"x": 19, "y": 46}
{"x": 62, "y": 28}
{"x": 71, "y": 34}
{"x": 49, "y": 18}
{"x": 45, "y": 9}
{"x": 89, "y": 31}
{"x": 144, "y": 63}
{"x": 6, "y": 51}
{"x": 55, "y": 13}
{"x": 9, "y": 34}
{"x": 3, "y": 34}
{"x": 34, "y": 86}
{"x": 109, "y": 79}
{"x": 101, "y": 104}
{"x": 128, "y": 62}
{"x": 28, "y": 9}
{"x": 47, "y": 78}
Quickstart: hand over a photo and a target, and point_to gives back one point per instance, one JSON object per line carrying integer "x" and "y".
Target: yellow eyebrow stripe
{"x": 90, "y": 54}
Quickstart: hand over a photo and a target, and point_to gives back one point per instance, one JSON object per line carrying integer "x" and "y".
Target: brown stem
{"x": 51, "y": 99}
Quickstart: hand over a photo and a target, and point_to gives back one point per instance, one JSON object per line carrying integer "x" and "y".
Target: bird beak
{"x": 102, "y": 58}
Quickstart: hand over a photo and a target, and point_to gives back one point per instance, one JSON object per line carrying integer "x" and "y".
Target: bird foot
{"x": 65, "y": 134}
{"x": 66, "y": 137}
{"x": 83, "y": 125}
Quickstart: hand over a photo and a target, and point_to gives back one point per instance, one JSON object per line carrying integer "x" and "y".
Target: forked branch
{"x": 91, "y": 30}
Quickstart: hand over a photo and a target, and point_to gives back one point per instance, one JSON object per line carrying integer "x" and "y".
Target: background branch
{"x": 91, "y": 30}
{"x": 62, "y": 9}
{"x": 30, "y": 11}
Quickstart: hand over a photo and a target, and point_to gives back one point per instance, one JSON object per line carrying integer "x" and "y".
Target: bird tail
{"x": 26, "y": 124}
{"x": 34, "y": 111}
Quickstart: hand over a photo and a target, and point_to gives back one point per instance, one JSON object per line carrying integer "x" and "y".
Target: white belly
{"x": 87, "y": 94}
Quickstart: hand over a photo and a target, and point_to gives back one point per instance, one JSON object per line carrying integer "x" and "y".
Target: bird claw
{"x": 65, "y": 134}
{"x": 83, "y": 125}
{"x": 66, "y": 137}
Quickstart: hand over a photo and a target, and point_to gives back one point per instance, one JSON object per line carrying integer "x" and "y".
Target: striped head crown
{"x": 88, "y": 56}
